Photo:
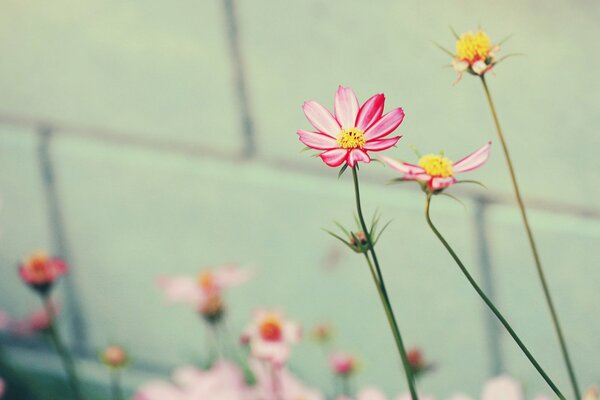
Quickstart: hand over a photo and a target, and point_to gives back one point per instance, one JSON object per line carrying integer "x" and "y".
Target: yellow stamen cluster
{"x": 472, "y": 47}
{"x": 206, "y": 280}
{"x": 351, "y": 138}
{"x": 436, "y": 165}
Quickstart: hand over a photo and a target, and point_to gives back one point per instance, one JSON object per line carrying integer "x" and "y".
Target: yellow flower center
{"x": 351, "y": 138}
{"x": 472, "y": 47}
{"x": 436, "y": 165}
{"x": 206, "y": 280}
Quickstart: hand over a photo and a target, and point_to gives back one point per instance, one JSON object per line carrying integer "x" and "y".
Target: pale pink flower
{"x": 41, "y": 271}
{"x": 353, "y": 131}
{"x": 2, "y": 387}
{"x": 592, "y": 394}
{"x": 278, "y": 383}
{"x": 502, "y": 388}
{"x": 224, "y": 381}
{"x": 270, "y": 336}
{"x": 35, "y": 322}
{"x": 342, "y": 363}
{"x": 195, "y": 291}
{"x": 438, "y": 171}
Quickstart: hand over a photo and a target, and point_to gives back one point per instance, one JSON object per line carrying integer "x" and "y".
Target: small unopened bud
{"x": 343, "y": 364}
{"x": 114, "y": 356}
{"x": 359, "y": 241}
{"x": 322, "y": 333}
{"x": 244, "y": 339}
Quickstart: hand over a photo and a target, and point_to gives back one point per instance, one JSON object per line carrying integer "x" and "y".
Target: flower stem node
{"x": 358, "y": 241}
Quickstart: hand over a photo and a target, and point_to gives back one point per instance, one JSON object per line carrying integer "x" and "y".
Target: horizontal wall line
{"x": 137, "y": 140}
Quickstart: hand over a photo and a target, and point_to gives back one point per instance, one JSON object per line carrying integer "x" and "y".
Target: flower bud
{"x": 114, "y": 356}
{"x": 359, "y": 242}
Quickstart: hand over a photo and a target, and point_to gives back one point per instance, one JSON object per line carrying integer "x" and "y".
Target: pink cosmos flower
{"x": 40, "y": 271}
{"x": 185, "y": 289}
{"x": 270, "y": 336}
{"x": 343, "y": 363}
{"x": 353, "y": 131}
{"x": 224, "y": 381}
{"x": 37, "y": 321}
{"x": 438, "y": 171}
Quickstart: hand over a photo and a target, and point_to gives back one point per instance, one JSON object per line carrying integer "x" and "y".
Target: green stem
{"x": 65, "y": 356}
{"x": 385, "y": 301}
{"x": 115, "y": 384}
{"x": 536, "y": 256}
{"x": 489, "y": 303}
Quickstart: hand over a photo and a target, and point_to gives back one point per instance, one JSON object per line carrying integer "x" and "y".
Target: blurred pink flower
{"x": 195, "y": 291}
{"x": 347, "y": 136}
{"x": 35, "y": 322}
{"x": 343, "y": 363}
{"x": 271, "y": 336}
{"x": 40, "y": 271}
{"x": 438, "y": 171}
{"x": 2, "y": 387}
{"x": 280, "y": 384}
{"x": 224, "y": 381}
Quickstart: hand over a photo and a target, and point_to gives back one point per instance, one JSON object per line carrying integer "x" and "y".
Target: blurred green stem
{"x": 63, "y": 352}
{"x": 379, "y": 283}
{"x": 115, "y": 384}
{"x": 488, "y": 302}
{"x": 536, "y": 256}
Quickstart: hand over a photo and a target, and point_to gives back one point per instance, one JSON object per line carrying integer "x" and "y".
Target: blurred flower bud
{"x": 114, "y": 356}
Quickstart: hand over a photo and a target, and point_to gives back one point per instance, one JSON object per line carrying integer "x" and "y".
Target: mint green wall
{"x": 161, "y": 72}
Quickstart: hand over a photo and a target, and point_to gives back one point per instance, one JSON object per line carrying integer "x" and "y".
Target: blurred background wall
{"x": 148, "y": 138}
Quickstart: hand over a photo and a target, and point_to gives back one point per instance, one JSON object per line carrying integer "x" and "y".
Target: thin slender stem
{"x": 536, "y": 256}
{"x": 62, "y": 351}
{"x": 489, "y": 303}
{"x": 115, "y": 384}
{"x": 385, "y": 301}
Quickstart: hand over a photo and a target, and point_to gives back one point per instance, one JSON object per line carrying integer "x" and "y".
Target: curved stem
{"x": 536, "y": 256}
{"x": 65, "y": 356}
{"x": 489, "y": 303}
{"x": 385, "y": 301}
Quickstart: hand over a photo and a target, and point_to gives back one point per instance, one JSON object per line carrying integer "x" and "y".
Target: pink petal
{"x": 502, "y": 388}
{"x": 317, "y": 141}
{"x": 402, "y": 167}
{"x": 346, "y": 107}
{"x": 335, "y": 157}
{"x": 438, "y": 182}
{"x": 321, "y": 118}
{"x": 232, "y": 275}
{"x": 370, "y": 111}
{"x": 370, "y": 393}
{"x": 181, "y": 289}
{"x": 381, "y": 144}
{"x": 385, "y": 125}
{"x": 356, "y": 155}
{"x": 473, "y": 160}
